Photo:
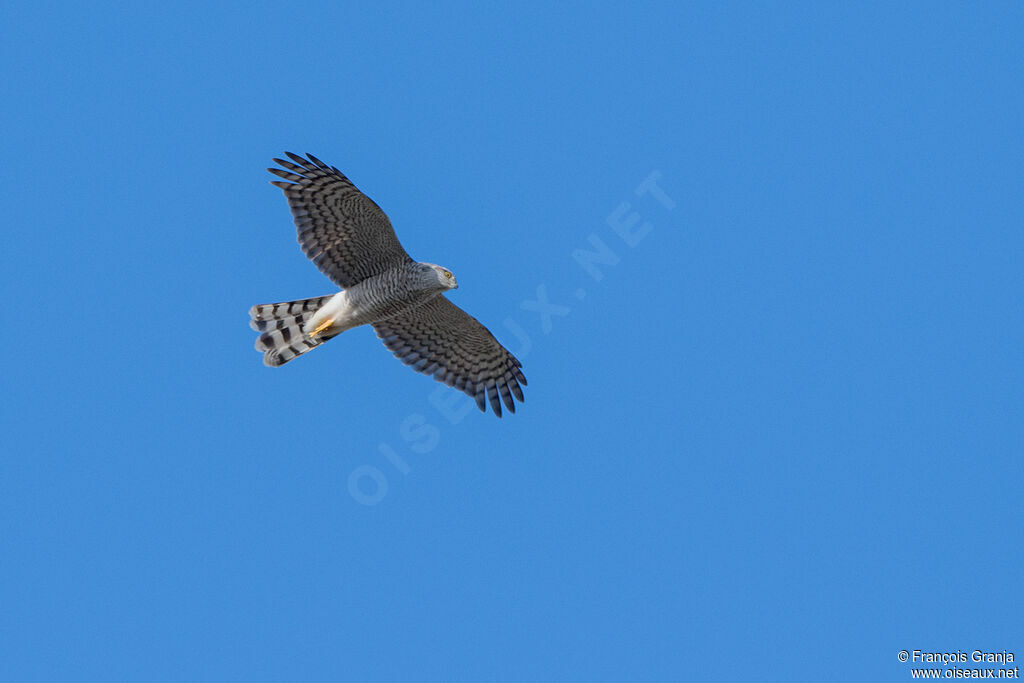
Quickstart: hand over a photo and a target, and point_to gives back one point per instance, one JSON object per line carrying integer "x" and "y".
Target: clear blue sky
{"x": 776, "y": 434}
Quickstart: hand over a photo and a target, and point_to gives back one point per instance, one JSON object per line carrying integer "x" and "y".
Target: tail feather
{"x": 282, "y": 325}
{"x": 287, "y": 309}
{"x": 279, "y": 323}
{"x": 282, "y": 345}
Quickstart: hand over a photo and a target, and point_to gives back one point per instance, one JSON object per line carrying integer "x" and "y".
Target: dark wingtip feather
{"x": 290, "y": 166}
{"x": 492, "y": 394}
{"x": 506, "y": 397}
{"x": 287, "y": 175}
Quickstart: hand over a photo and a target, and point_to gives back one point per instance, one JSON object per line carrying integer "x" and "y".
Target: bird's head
{"x": 441, "y": 276}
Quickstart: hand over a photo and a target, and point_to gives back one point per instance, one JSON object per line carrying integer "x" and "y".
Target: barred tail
{"x": 283, "y": 327}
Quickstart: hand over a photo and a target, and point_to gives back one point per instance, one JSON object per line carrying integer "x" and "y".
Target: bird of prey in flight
{"x": 351, "y": 241}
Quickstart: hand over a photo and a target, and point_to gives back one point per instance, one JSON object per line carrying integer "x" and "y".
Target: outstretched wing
{"x": 440, "y": 339}
{"x": 341, "y": 230}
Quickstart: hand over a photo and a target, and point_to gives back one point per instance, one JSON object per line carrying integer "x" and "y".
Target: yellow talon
{"x": 321, "y": 327}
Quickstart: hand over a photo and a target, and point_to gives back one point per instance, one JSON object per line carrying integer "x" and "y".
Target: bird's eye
{"x": 447, "y": 273}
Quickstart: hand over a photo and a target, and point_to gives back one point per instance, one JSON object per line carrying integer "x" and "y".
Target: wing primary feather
{"x": 516, "y": 391}
{"x": 506, "y": 397}
{"x": 481, "y": 397}
{"x": 317, "y": 162}
{"x": 287, "y": 175}
{"x": 289, "y": 165}
{"x": 297, "y": 159}
{"x": 492, "y": 394}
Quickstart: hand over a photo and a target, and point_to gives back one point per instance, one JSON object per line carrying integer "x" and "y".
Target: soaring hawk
{"x": 352, "y": 242}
